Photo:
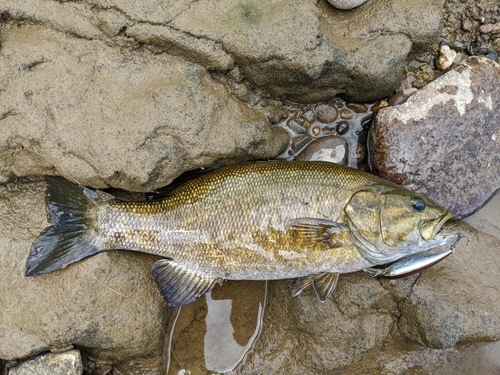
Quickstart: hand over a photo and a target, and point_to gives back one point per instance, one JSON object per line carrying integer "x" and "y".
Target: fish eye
{"x": 417, "y": 204}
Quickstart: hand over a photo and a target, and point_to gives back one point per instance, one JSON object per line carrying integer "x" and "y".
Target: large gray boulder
{"x": 444, "y": 141}
{"x": 81, "y": 109}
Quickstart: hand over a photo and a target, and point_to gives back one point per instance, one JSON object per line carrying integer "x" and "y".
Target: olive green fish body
{"x": 257, "y": 221}
{"x": 235, "y": 223}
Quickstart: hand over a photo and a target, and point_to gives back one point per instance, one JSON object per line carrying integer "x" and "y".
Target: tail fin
{"x": 68, "y": 240}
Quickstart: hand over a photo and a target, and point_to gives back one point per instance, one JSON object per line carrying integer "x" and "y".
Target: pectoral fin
{"x": 178, "y": 285}
{"x": 324, "y": 284}
{"x": 316, "y": 231}
{"x": 301, "y": 284}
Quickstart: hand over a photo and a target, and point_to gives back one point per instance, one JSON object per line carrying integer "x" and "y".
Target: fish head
{"x": 389, "y": 223}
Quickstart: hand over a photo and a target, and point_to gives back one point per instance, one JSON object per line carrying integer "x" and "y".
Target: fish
{"x": 256, "y": 221}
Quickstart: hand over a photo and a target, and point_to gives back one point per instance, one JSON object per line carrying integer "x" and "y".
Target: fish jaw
{"x": 429, "y": 230}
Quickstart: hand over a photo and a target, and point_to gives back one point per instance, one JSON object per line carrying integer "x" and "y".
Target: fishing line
{"x": 168, "y": 343}
{"x": 131, "y": 300}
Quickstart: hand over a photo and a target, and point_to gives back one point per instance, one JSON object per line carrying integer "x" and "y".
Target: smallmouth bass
{"x": 255, "y": 221}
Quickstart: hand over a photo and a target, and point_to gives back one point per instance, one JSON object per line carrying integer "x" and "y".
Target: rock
{"x": 446, "y": 57}
{"x": 487, "y": 219}
{"x": 444, "y": 141}
{"x": 291, "y": 49}
{"x": 298, "y": 51}
{"x": 346, "y": 4}
{"x": 401, "y": 96}
{"x": 107, "y": 305}
{"x": 332, "y": 149}
{"x": 302, "y": 336}
{"x": 457, "y": 300}
{"x": 67, "y": 363}
{"x": 326, "y": 113}
{"x": 104, "y": 117}
{"x": 489, "y": 28}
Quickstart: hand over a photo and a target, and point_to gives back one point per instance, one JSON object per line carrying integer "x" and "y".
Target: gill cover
{"x": 389, "y": 223}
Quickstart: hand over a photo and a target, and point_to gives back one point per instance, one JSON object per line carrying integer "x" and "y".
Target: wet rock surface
{"x": 83, "y": 110}
{"x": 108, "y": 306}
{"x": 456, "y": 303}
{"x": 444, "y": 141}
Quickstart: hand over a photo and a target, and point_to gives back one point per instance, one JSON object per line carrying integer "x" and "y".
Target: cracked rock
{"x": 444, "y": 141}
{"x": 305, "y": 51}
{"x": 102, "y": 117}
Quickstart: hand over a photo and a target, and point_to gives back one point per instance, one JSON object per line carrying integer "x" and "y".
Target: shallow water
{"x": 213, "y": 335}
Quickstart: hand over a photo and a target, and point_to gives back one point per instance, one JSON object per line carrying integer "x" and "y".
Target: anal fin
{"x": 178, "y": 285}
{"x": 324, "y": 284}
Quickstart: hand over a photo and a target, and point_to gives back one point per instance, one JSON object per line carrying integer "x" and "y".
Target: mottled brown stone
{"x": 444, "y": 142}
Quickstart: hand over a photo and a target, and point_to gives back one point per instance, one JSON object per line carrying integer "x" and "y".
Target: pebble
{"x": 296, "y": 126}
{"x": 356, "y": 107}
{"x": 380, "y": 104}
{"x": 67, "y": 363}
{"x": 489, "y": 28}
{"x": 315, "y": 131}
{"x": 360, "y": 153}
{"x": 342, "y": 128}
{"x": 446, "y": 57}
{"x": 309, "y": 116}
{"x": 332, "y": 149}
{"x": 425, "y": 73}
{"x": 346, "y": 4}
{"x": 346, "y": 114}
{"x": 300, "y": 142}
{"x": 337, "y": 103}
{"x": 326, "y": 113}
{"x": 401, "y": 96}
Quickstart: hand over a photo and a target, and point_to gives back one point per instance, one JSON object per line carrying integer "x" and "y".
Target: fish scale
{"x": 255, "y": 221}
{"x": 226, "y": 211}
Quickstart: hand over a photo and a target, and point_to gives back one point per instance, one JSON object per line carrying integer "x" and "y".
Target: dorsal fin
{"x": 178, "y": 285}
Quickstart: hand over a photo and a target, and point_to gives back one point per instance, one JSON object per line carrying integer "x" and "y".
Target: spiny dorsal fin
{"x": 324, "y": 284}
{"x": 178, "y": 285}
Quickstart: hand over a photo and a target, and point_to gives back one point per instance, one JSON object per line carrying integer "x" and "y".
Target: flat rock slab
{"x": 444, "y": 142}
{"x": 84, "y": 110}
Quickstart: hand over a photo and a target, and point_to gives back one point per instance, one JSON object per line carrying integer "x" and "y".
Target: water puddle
{"x": 214, "y": 334}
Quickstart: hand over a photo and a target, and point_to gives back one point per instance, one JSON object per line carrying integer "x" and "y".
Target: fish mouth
{"x": 429, "y": 229}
